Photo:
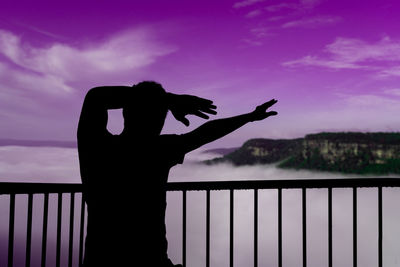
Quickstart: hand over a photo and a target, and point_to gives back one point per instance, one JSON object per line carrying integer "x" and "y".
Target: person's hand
{"x": 260, "y": 113}
{"x": 182, "y": 105}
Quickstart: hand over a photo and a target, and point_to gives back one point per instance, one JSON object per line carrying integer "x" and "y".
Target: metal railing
{"x": 31, "y": 189}
{"x": 279, "y": 185}
{"x": 12, "y": 189}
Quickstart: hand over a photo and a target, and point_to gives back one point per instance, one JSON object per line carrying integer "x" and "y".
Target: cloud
{"x": 392, "y": 92}
{"x": 313, "y": 22}
{"x": 281, "y": 6}
{"x": 301, "y": 5}
{"x": 309, "y": 3}
{"x": 34, "y": 164}
{"x": 41, "y": 87}
{"x": 125, "y": 51}
{"x": 254, "y": 13}
{"x": 348, "y": 53}
{"x": 61, "y": 165}
{"x": 314, "y": 61}
{"x": 260, "y": 32}
{"x": 246, "y": 3}
{"x": 374, "y": 102}
{"x": 389, "y": 72}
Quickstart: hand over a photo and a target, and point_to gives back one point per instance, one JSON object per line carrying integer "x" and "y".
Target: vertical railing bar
{"x": 354, "y": 226}
{"x": 44, "y": 231}
{"x": 304, "y": 204}
{"x": 255, "y": 227}
{"x": 59, "y": 217}
{"x": 280, "y": 227}
{"x": 231, "y": 227}
{"x": 380, "y": 231}
{"x": 29, "y": 231}
{"x": 329, "y": 227}
{"x": 208, "y": 228}
{"x": 184, "y": 228}
{"x": 71, "y": 229}
{"x": 11, "y": 231}
{"x": 82, "y": 226}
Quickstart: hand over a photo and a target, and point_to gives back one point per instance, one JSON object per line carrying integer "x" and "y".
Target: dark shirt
{"x": 124, "y": 186}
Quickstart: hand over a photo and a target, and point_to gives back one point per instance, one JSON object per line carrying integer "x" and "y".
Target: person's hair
{"x": 149, "y": 101}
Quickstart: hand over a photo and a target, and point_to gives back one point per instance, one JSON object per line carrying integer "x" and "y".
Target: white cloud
{"x": 122, "y": 52}
{"x": 254, "y": 13}
{"x": 252, "y": 42}
{"x": 300, "y": 5}
{"x": 392, "y": 92}
{"x": 278, "y": 7}
{"x": 314, "y": 61}
{"x": 348, "y": 53}
{"x": 41, "y": 87}
{"x": 374, "y": 102}
{"x": 355, "y": 50}
{"x": 61, "y": 165}
{"x": 389, "y": 72}
{"x": 309, "y": 3}
{"x": 260, "y": 32}
{"x": 312, "y": 22}
{"x": 246, "y": 3}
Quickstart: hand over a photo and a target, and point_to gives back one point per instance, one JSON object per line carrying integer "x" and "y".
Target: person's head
{"x": 146, "y": 113}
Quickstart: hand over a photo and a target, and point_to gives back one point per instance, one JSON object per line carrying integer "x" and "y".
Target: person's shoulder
{"x": 171, "y": 140}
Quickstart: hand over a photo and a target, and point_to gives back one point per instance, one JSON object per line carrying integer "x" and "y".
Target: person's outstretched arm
{"x": 216, "y": 129}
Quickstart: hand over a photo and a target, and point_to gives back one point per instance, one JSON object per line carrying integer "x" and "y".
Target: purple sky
{"x": 333, "y": 65}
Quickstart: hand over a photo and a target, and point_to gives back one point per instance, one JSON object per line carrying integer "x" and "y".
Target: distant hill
{"x": 346, "y": 152}
{"x": 221, "y": 151}
{"x": 37, "y": 143}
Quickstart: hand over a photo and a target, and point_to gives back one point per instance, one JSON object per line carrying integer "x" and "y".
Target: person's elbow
{"x": 93, "y": 97}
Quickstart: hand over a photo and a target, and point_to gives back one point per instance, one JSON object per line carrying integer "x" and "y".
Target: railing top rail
{"x": 285, "y": 184}
{"x": 40, "y": 188}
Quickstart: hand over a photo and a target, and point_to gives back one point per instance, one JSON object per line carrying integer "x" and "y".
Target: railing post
{"x": 44, "y": 234}
{"x": 231, "y": 227}
{"x": 208, "y": 228}
{"x": 82, "y": 226}
{"x": 71, "y": 229}
{"x": 59, "y": 219}
{"x": 354, "y": 226}
{"x": 304, "y": 203}
{"x": 184, "y": 228}
{"x": 29, "y": 232}
{"x": 329, "y": 227}
{"x": 255, "y": 227}
{"x": 11, "y": 231}
{"x": 280, "y": 227}
{"x": 380, "y": 231}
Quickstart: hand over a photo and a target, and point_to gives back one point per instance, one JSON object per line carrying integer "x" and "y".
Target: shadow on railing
{"x": 30, "y": 189}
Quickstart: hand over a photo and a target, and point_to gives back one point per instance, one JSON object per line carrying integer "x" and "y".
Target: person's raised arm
{"x": 98, "y": 100}
{"x": 215, "y": 129}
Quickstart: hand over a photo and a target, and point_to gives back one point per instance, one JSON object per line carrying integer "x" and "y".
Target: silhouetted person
{"x": 124, "y": 176}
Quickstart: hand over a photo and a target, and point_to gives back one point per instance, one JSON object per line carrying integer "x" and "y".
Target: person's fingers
{"x": 184, "y": 121}
{"x": 272, "y": 113}
{"x": 268, "y": 104}
{"x": 209, "y": 111}
{"x": 204, "y": 101}
{"x": 200, "y": 114}
{"x": 271, "y": 102}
